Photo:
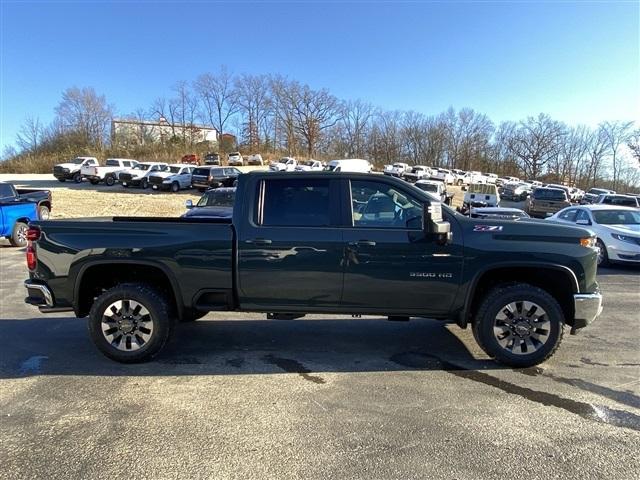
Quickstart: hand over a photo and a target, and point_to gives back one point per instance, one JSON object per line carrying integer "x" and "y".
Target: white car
{"x": 138, "y": 176}
{"x": 72, "y": 170}
{"x": 491, "y": 178}
{"x": 471, "y": 178}
{"x": 436, "y": 188}
{"x": 416, "y": 173}
{"x": 236, "y": 159}
{"x": 175, "y": 178}
{"x": 310, "y": 166}
{"x": 285, "y": 164}
{"x": 109, "y": 172}
{"x": 255, "y": 159}
{"x": 617, "y": 230}
{"x": 443, "y": 175}
{"x": 396, "y": 170}
{"x": 354, "y": 165}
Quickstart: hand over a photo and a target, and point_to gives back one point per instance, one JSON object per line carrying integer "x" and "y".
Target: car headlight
{"x": 626, "y": 238}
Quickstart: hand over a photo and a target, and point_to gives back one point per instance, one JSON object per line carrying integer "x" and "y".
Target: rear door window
{"x": 300, "y": 203}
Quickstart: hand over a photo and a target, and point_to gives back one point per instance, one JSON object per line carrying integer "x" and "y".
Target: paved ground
{"x": 237, "y": 396}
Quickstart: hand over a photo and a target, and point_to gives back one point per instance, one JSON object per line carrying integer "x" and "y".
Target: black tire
{"x": 93, "y": 181}
{"x": 603, "y": 257}
{"x": 158, "y": 315}
{"x": 19, "y": 235}
{"x": 496, "y": 303}
{"x": 109, "y": 180}
{"x": 202, "y": 190}
{"x": 144, "y": 183}
{"x": 43, "y": 212}
{"x": 175, "y": 187}
{"x": 62, "y": 180}
{"x": 77, "y": 178}
{"x": 191, "y": 315}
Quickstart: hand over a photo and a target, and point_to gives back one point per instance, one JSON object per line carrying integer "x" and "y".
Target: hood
{"x": 623, "y": 228}
{"x": 219, "y": 212}
{"x": 70, "y": 166}
{"x": 162, "y": 174}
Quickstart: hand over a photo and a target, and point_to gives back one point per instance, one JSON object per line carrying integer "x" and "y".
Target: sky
{"x": 577, "y": 61}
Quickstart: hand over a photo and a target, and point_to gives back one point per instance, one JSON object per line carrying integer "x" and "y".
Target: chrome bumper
{"x": 588, "y": 307}
{"x": 43, "y": 296}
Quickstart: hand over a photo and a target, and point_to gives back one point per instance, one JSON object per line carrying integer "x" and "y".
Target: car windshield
{"x": 77, "y": 161}
{"x": 216, "y": 172}
{"x": 427, "y": 187}
{"x": 597, "y": 191}
{"x": 217, "y": 198}
{"x": 174, "y": 169}
{"x": 549, "y": 194}
{"x": 616, "y": 217}
{"x": 622, "y": 201}
{"x": 141, "y": 166}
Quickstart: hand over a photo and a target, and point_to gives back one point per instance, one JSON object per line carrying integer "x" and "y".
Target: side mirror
{"x": 433, "y": 223}
{"x": 583, "y": 221}
{"x": 188, "y": 204}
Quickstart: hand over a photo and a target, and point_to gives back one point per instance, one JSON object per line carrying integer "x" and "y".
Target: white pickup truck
{"x": 443, "y": 175}
{"x": 396, "y": 170}
{"x": 138, "y": 176}
{"x": 285, "y": 164}
{"x": 71, "y": 170}
{"x": 471, "y": 178}
{"x": 416, "y": 173}
{"x": 109, "y": 172}
{"x": 310, "y": 166}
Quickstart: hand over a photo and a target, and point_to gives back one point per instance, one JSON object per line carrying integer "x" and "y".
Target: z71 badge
{"x": 487, "y": 228}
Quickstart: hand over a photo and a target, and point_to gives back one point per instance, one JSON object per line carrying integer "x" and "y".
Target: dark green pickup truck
{"x": 298, "y": 243}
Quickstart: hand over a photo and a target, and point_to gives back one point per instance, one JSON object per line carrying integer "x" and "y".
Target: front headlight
{"x": 626, "y": 238}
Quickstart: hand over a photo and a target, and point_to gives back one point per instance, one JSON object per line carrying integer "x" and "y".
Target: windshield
{"x": 77, "y": 161}
{"x": 216, "y": 171}
{"x": 616, "y": 217}
{"x": 549, "y": 194}
{"x": 141, "y": 166}
{"x": 217, "y": 198}
{"x": 174, "y": 169}
{"x": 622, "y": 201}
{"x": 427, "y": 187}
{"x": 597, "y": 191}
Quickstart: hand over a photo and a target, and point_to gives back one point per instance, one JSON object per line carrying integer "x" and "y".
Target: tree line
{"x": 274, "y": 115}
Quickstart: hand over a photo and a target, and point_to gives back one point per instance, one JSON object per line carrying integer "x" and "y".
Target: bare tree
{"x": 30, "y": 135}
{"x": 254, "y": 100}
{"x": 218, "y": 98}
{"x": 618, "y": 134}
{"x": 598, "y": 146}
{"x": 354, "y": 121}
{"x": 86, "y": 113}
{"x": 634, "y": 144}
{"x": 535, "y": 142}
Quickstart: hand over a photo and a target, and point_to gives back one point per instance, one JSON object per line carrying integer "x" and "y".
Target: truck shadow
{"x": 60, "y": 346}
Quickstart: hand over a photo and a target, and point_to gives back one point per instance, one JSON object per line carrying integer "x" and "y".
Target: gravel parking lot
{"x": 238, "y": 396}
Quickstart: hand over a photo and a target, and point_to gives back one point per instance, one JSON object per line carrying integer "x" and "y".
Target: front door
{"x": 390, "y": 263}
{"x": 289, "y": 255}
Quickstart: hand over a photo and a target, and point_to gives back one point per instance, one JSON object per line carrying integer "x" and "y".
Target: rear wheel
{"x": 144, "y": 183}
{"x": 19, "y": 234}
{"x": 77, "y": 178}
{"x": 43, "y": 212}
{"x": 603, "y": 256}
{"x": 175, "y": 186}
{"x": 519, "y": 325}
{"x": 130, "y": 323}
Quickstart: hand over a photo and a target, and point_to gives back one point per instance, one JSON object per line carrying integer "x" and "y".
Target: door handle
{"x": 258, "y": 241}
{"x": 363, "y": 243}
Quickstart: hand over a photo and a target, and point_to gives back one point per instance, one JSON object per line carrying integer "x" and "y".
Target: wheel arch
{"x": 562, "y": 284}
{"x": 111, "y": 272}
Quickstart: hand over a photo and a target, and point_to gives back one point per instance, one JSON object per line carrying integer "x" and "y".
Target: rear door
{"x": 390, "y": 264}
{"x": 289, "y": 246}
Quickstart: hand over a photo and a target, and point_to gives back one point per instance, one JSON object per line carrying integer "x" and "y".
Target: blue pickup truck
{"x": 15, "y": 215}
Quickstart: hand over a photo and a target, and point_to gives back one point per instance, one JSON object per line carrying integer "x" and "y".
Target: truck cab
{"x": 71, "y": 170}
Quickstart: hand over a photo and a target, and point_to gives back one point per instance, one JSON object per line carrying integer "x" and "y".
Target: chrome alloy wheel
{"x": 521, "y": 327}
{"x": 127, "y": 325}
{"x": 21, "y": 234}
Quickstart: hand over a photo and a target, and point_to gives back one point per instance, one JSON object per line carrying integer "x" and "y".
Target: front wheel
{"x": 130, "y": 323}
{"x": 144, "y": 183}
{"x": 175, "y": 186}
{"x": 77, "y": 178}
{"x": 519, "y": 325}
{"x": 19, "y": 234}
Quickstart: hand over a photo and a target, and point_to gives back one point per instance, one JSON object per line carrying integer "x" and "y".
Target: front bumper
{"x": 587, "y": 307}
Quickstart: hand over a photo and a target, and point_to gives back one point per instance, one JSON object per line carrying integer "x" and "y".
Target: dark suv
{"x": 214, "y": 177}
{"x": 212, "y": 159}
